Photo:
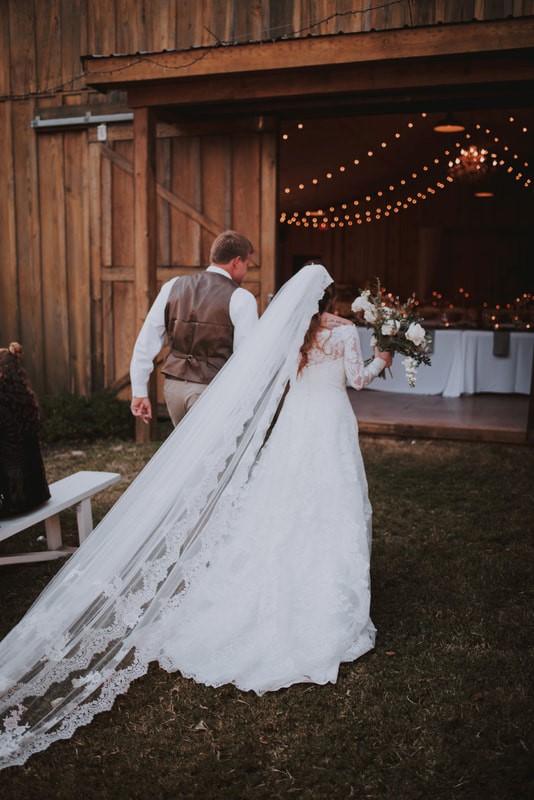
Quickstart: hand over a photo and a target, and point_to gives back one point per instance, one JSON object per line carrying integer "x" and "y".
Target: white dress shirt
{"x": 243, "y": 312}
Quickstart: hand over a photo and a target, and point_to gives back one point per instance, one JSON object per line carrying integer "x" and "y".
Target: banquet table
{"x": 463, "y": 362}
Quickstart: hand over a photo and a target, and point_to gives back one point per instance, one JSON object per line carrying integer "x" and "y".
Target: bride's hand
{"x": 385, "y": 356}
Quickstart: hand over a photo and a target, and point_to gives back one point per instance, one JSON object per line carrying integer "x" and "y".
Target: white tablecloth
{"x": 463, "y": 363}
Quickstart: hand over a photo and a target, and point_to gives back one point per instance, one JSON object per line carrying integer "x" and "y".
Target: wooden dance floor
{"x": 481, "y": 417}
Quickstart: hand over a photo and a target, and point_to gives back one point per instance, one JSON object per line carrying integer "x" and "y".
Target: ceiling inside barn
{"x": 340, "y": 167}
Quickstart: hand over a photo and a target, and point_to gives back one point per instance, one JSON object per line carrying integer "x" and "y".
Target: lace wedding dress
{"x": 284, "y": 597}
{"x": 230, "y": 558}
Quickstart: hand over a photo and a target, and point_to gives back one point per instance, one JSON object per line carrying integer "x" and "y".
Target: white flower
{"x": 373, "y": 341}
{"x": 416, "y": 334}
{"x": 369, "y": 314}
{"x": 409, "y": 370}
{"x": 390, "y": 328}
{"x": 361, "y": 302}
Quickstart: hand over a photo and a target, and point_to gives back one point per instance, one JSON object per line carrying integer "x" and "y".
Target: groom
{"x": 204, "y": 318}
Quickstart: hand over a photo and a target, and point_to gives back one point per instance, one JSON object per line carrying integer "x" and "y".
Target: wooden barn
{"x": 389, "y": 139}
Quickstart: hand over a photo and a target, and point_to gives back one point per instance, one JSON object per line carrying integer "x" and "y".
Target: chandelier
{"x": 470, "y": 165}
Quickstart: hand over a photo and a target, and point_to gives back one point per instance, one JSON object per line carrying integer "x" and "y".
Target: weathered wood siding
{"x": 66, "y": 206}
{"x": 212, "y": 173}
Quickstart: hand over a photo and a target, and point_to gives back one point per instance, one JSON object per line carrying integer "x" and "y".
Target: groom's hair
{"x": 229, "y": 245}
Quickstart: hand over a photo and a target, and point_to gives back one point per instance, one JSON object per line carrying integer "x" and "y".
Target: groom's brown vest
{"x": 199, "y": 328}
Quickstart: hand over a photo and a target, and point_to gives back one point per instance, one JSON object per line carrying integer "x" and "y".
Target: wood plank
{"x": 468, "y": 38}
{"x": 73, "y": 41}
{"x": 185, "y": 128}
{"x": 278, "y": 16}
{"x": 482, "y": 418}
{"x": 56, "y": 341}
{"x": 48, "y": 45}
{"x": 22, "y": 55}
{"x": 9, "y": 273}
{"x": 106, "y": 218}
{"x": 78, "y": 260}
{"x": 108, "y": 337}
{"x": 30, "y": 289}
{"x": 219, "y": 22}
{"x": 190, "y": 31}
{"x": 186, "y": 180}
{"x": 322, "y": 22}
{"x": 246, "y": 188}
{"x": 128, "y": 23}
{"x": 123, "y": 233}
{"x": 5, "y": 56}
{"x": 216, "y": 195}
{"x": 268, "y": 217}
{"x": 163, "y": 167}
{"x": 101, "y": 29}
{"x": 145, "y": 232}
{"x": 179, "y": 203}
{"x": 124, "y": 327}
{"x": 464, "y": 11}
{"x": 472, "y": 73}
{"x": 95, "y": 255}
{"x": 161, "y": 26}
{"x": 171, "y": 197}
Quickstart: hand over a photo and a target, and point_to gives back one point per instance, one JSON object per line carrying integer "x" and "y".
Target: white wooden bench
{"x": 76, "y": 489}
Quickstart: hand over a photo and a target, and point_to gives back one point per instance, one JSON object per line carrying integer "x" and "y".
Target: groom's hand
{"x": 140, "y": 407}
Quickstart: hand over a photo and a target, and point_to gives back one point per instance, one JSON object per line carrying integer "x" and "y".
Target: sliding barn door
{"x": 205, "y": 184}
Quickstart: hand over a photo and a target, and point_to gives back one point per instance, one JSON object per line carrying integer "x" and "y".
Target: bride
{"x": 239, "y": 555}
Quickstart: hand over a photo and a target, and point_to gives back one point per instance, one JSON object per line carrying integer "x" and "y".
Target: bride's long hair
{"x": 326, "y": 303}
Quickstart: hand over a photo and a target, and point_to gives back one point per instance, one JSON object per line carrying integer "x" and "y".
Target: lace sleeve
{"x": 358, "y": 375}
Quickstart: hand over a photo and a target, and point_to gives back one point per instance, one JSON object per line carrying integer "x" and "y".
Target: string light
{"x": 510, "y": 162}
{"x": 356, "y": 161}
{"x": 375, "y": 213}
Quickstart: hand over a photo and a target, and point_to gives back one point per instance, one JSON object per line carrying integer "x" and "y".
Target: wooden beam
{"x": 188, "y": 128}
{"x": 145, "y": 232}
{"x": 251, "y": 91}
{"x": 371, "y": 46}
{"x": 268, "y": 217}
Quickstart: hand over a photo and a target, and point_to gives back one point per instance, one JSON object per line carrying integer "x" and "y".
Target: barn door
{"x": 205, "y": 184}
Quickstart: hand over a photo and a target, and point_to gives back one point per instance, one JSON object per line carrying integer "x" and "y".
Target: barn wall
{"x": 65, "y": 210}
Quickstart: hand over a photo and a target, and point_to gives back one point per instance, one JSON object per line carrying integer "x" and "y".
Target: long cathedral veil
{"x": 94, "y": 628}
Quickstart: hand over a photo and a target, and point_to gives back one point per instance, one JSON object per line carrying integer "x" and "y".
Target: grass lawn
{"x": 441, "y": 709}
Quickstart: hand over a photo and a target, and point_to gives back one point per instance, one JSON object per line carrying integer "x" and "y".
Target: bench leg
{"x": 84, "y": 515}
{"x": 53, "y": 533}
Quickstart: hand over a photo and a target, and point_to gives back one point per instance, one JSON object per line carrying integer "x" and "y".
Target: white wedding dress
{"x": 285, "y": 595}
{"x": 230, "y": 558}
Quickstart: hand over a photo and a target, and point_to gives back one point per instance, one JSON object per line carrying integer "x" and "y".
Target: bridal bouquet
{"x": 395, "y": 327}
